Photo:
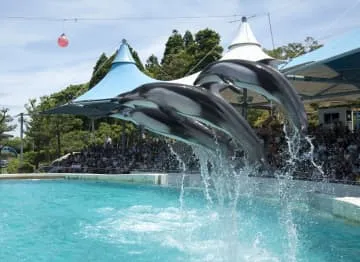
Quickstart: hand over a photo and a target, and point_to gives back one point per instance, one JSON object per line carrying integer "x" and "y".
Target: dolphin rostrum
{"x": 199, "y": 104}
{"x": 259, "y": 78}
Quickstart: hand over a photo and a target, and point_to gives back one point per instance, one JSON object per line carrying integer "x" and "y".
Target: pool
{"x": 101, "y": 221}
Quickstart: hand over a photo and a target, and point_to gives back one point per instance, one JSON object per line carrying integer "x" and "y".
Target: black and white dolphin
{"x": 165, "y": 122}
{"x": 259, "y": 78}
{"x": 199, "y": 104}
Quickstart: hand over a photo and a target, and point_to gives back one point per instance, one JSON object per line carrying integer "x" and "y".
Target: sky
{"x": 32, "y": 65}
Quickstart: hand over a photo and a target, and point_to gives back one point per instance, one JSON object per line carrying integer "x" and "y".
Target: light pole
{"x": 21, "y": 138}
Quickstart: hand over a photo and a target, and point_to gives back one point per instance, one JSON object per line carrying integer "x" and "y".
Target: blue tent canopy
{"x": 330, "y": 73}
{"x": 123, "y": 76}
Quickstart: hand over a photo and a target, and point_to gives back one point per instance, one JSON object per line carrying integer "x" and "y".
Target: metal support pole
{"x": 123, "y": 137}
{"x": 92, "y": 131}
{"x": 271, "y": 32}
{"x": 21, "y": 137}
{"x": 245, "y": 104}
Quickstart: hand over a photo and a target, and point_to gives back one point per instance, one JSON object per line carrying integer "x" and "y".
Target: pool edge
{"x": 140, "y": 178}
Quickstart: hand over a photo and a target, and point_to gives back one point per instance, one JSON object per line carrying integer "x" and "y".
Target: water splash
{"x": 225, "y": 182}
{"x": 182, "y": 166}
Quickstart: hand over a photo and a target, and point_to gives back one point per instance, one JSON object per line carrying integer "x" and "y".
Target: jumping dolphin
{"x": 167, "y": 123}
{"x": 199, "y": 104}
{"x": 262, "y": 79}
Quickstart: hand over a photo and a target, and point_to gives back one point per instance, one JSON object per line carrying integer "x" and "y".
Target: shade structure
{"x": 122, "y": 77}
{"x": 329, "y": 74}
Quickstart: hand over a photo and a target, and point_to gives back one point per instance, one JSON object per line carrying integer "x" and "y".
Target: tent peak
{"x": 244, "y": 36}
{"x": 123, "y": 54}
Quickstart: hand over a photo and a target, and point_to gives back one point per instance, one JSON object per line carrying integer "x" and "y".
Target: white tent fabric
{"x": 244, "y": 46}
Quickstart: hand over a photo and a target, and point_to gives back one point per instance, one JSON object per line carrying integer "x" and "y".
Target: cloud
{"x": 20, "y": 87}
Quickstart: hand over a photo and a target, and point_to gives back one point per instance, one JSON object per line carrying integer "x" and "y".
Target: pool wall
{"x": 142, "y": 178}
{"x": 337, "y": 199}
{"x": 340, "y": 200}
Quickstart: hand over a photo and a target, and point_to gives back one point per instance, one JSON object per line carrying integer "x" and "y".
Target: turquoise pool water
{"x": 89, "y": 221}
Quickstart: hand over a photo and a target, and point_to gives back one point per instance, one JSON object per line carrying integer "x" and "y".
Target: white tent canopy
{"x": 244, "y": 46}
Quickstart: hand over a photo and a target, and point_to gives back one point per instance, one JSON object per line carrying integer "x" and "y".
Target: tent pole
{"x": 245, "y": 104}
{"x": 92, "y": 130}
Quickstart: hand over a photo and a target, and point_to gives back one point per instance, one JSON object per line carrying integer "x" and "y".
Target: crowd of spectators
{"x": 337, "y": 152}
{"x": 144, "y": 155}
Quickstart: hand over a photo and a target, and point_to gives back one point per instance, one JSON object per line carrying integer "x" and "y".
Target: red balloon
{"x": 63, "y": 41}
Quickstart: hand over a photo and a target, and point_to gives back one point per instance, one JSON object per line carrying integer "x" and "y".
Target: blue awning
{"x": 330, "y": 73}
{"x": 123, "y": 76}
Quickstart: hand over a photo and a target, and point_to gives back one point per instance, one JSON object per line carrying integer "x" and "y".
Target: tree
{"x": 137, "y": 59}
{"x": 188, "y": 40}
{"x": 174, "y": 45}
{"x": 293, "y": 50}
{"x": 176, "y": 66}
{"x": 101, "y": 68}
{"x": 207, "y": 49}
{"x": 185, "y": 55}
{"x": 311, "y": 44}
{"x": 5, "y": 123}
{"x": 45, "y": 131}
{"x": 153, "y": 67}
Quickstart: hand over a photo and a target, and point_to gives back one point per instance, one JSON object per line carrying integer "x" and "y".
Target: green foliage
{"x": 14, "y": 142}
{"x": 45, "y": 132}
{"x": 26, "y": 168}
{"x": 292, "y": 50}
{"x": 137, "y": 59}
{"x": 101, "y": 68}
{"x": 5, "y": 123}
{"x": 36, "y": 157}
{"x": 257, "y": 116}
{"x": 174, "y": 45}
{"x": 75, "y": 140}
{"x": 152, "y": 67}
{"x": 207, "y": 48}
{"x": 186, "y": 54}
{"x": 14, "y": 167}
{"x": 188, "y": 40}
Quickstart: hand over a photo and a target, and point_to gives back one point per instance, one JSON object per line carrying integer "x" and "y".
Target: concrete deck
{"x": 344, "y": 207}
{"x": 351, "y": 200}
